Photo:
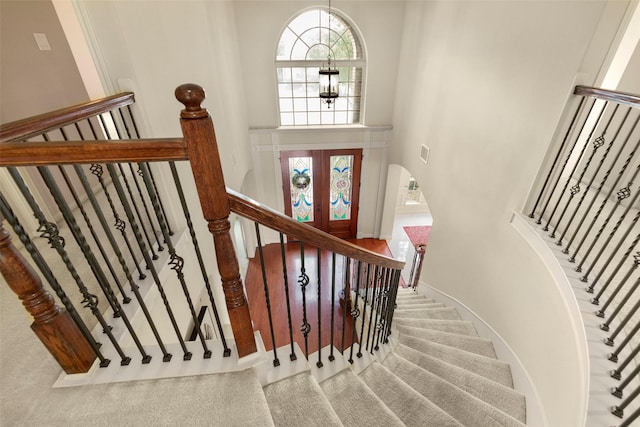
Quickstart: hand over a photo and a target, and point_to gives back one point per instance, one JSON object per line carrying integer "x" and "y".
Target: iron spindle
{"x": 619, "y": 389}
{"x": 597, "y": 144}
{"x": 380, "y": 308}
{"x": 622, "y": 260}
{"x": 573, "y": 170}
{"x": 176, "y": 262}
{"x": 333, "y": 302}
{"x": 622, "y": 194}
{"x": 13, "y": 221}
{"x": 196, "y": 247}
{"x": 346, "y": 299}
{"x": 144, "y": 203}
{"x": 631, "y": 418}
{"x": 114, "y": 245}
{"x": 555, "y": 162}
{"x": 125, "y": 298}
{"x": 634, "y": 267}
{"x": 364, "y": 309}
{"x": 391, "y": 306}
{"x": 285, "y": 278}
{"x": 355, "y": 311}
{"x": 136, "y": 231}
{"x": 624, "y": 301}
{"x": 617, "y": 373}
{"x": 303, "y": 281}
{"x": 119, "y": 224}
{"x": 618, "y": 410}
{"x": 610, "y": 339}
{"x": 319, "y": 270}
{"x": 90, "y": 257}
{"x": 600, "y": 187}
{"x": 50, "y": 231}
{"x": 374, "y": 285}
{"x": 276, "y": 361}
{"x": 605, "y": 326}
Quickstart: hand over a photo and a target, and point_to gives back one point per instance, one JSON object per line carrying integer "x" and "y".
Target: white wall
{"x": 483, "y": 84}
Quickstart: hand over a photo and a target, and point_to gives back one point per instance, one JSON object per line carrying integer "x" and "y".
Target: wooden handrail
{"x": 37, "y": 125}
{"x": 609, "y": 95}
{"x": 275, "y": 220}
{"x": 107, "y": 151}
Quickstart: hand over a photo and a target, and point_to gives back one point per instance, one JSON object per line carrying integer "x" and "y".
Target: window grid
{"x": 304, "y": 46}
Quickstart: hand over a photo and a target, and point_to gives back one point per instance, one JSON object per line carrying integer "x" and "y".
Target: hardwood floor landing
{"x": 326, "y": 295}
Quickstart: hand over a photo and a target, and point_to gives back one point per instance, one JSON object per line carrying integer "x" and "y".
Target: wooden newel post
{"x": 53, "y": 325}
{"x": 202, "y": 147}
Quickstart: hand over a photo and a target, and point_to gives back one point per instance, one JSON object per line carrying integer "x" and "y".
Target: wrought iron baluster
{"x": 610, "y": 339}
{"x": 600, "y": 187}
{"x": 631, "y": 418}
{"x": 380, "y": 307}
{"x": 285, "y": 278}
{"x": 618, "y": 410}
{"x": 355, "y": 311}
{"x": 176, "y": 262}
{"x": 374, "y": 285}
{"x": 617, "y": 373}
{"x": 276, "y": 361}
{"x": 303, "y": 281}
{"x": 634, "y": 267}
{"x": 136, "y": 231}
{"x": 49, "y": 231}
{"x": 621, "y": 261}
{"x": 605, "y": 326}
{"x": 90, "y": 257}
{"x": 597, "y": 144}
{"x": 619, "y": 389}
{"x": 393, "y": 292}
{"x": 13, "y": 221}
{"x": 114, "y": 245}
{"x": 346, "y": 299}
{"x": 364, "y": 309}
{"x": 196, "y": 247}
{"x": 573, "y": 170}
{"x": 553, "y": 165}
{"x": 125, "y": 298}
{"x": 319, "y": 363}
{"x": 333, "y": 303}
{"x": 154, "y": 232}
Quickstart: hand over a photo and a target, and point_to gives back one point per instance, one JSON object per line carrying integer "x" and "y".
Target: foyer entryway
{"x": 322, "y": 188}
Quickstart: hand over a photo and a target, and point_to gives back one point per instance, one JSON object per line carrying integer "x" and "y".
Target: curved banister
{"x": 37, "y": 125}
{"x": 609, "y": 95}
{"x": 106, "y": 151}
{"x": 275, "y": 220}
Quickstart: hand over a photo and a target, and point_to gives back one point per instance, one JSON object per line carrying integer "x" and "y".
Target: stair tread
{"x": 412, "y": 301}
{"x": 502, "y": 397}
{"x": 461, "y": 327}
{"x": 299, "y": 400}
{"x": 410, "y": 406}
{"x": 493, "y": 369}
{"x": 464, "y": 407}
{"x": 477, "y": 345}
{"x": 428, "y": 313}
{"x": 355, "y": 403}
{"x": 422, "y": 306}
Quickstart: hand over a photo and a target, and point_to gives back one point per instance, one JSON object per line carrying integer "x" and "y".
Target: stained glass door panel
{"x": 321, "y": 188}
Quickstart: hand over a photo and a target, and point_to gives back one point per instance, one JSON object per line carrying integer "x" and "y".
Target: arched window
{"x": 303, "y": 48}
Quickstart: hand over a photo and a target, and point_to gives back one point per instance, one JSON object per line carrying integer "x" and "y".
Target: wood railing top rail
{"x": 37, "y": 125}
{"x": 609, "y": 95}
{"x": 107, "y": 151}
{"x": 275, "y": 220}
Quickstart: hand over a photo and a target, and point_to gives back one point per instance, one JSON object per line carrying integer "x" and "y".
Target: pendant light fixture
{"x": 328, "y": 75}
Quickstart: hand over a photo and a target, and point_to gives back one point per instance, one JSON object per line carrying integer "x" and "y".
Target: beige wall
{"x": 34, "y": 81}
{"x": 483, "y": 85}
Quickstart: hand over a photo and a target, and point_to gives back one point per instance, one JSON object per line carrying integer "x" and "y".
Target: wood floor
{"x": 326, "y": 295}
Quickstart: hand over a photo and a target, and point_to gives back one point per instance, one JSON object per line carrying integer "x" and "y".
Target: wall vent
{"x": 424, "y": 153}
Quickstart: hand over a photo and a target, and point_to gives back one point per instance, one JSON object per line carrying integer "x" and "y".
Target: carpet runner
{"x": 439, "y": 374}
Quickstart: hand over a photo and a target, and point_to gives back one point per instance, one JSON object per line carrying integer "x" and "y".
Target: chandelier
{"x": 328, "y": 75}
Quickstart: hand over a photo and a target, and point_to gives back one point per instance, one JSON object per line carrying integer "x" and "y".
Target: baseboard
{"x": 522, "y": 380}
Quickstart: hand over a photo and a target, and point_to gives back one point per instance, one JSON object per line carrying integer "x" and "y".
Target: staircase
{"x": 439, "y": 374}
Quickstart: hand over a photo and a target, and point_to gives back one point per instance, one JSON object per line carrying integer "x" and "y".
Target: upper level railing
{"x": 114, "y": 211}
{"x": 589, "y": 204}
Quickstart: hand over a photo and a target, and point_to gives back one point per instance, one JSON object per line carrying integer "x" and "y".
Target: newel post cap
{"x": 191, "y": 96}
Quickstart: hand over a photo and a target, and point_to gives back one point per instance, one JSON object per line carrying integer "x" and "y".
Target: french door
{"x": 322, "y": 188}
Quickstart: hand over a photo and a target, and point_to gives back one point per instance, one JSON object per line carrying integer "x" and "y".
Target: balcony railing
{"x": 588, "y": 202}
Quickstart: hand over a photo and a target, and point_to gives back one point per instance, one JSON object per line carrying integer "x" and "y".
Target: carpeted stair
{"x": 440, "y": 373}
